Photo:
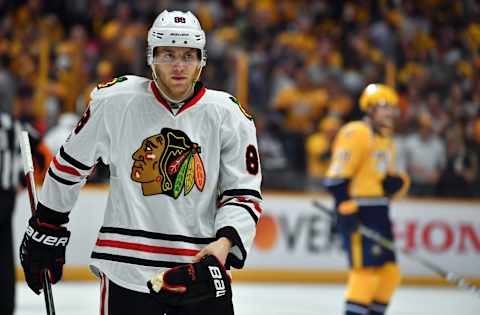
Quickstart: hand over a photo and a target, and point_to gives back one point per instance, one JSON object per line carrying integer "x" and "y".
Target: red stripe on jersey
{"x": 102, "y": 294}
{"x": 147, "y": 248}
{"x": 193, "y": 101}
{"x": 255, "y": 204}
{"x": 64, "y": 168}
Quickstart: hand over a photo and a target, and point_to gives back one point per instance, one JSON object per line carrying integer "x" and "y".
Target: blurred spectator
{"x": 300, "y": 106}
{"x": 7, "y": 85}
{"x": 456, "y": 103}
{"x": 440, "y": 118}
{"x": 319, "y": 150}
{"x": 25, "y": 110}
{"x": 57, "y": 135}
{"x": 473, "y": 144}
{"x": 272, "y": 154}
{"x": 459, "y": 175}
{"x": 339, "y": 102}
{"x": 424, "y": 157}
{"x": 306, "y": 60}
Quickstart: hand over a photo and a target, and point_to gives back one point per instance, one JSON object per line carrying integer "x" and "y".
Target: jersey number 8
{"x": 251, "y": 159}
{"x": 83, "y": 120}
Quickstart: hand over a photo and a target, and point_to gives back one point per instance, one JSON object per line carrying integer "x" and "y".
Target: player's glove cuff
{"x": 192, "y": 283}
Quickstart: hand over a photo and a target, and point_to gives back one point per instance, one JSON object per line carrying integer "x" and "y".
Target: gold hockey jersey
{"x": 363, "y": 157}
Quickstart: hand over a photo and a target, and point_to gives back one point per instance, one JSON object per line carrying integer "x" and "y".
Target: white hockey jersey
{"x": 176, "y": 179}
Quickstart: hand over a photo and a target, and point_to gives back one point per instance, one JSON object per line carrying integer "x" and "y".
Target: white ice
{"x": 82, "y": 298}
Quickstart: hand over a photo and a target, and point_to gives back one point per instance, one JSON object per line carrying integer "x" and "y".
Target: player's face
{"x": 383, "y": 116}
{"x": 176, "y": 69}
{"x": 145, "y": 167}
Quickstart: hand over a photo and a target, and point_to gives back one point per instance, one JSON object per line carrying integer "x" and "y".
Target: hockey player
{"x": 185, "y": 179}
{"x": 362, "y": 178}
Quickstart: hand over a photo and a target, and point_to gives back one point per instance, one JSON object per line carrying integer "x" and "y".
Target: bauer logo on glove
{"x": 192, "y": 283}
{"x": 43, "y": 247}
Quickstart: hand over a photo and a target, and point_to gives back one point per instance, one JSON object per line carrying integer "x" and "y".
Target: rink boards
{"x": 293, "y": 240}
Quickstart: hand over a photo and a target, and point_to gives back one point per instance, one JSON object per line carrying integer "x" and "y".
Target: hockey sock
{"x": 377, "y": 308}
{"x": 353, "y": 308}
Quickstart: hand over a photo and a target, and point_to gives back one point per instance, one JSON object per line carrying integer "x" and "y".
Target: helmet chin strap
{"x": 186, "y": 94}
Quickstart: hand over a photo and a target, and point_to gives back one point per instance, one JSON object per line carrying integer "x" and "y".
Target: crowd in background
{"x": 308, "y": 62}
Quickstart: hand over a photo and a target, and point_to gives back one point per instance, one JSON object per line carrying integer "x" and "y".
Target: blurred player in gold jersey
{"x": 363, "y": 178}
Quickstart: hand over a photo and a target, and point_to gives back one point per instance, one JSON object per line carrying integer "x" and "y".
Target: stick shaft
{"x": 32, "y": 195}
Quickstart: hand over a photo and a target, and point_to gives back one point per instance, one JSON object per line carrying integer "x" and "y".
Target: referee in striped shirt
{"x": 11, "y": 181}
{"x": 10, "y": 174}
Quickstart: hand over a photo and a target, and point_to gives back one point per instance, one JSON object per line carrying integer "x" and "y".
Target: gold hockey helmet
{"x": 378, "y": 94}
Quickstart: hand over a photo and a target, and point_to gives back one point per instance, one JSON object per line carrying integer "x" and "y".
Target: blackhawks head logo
{"x": 167, "y": 163}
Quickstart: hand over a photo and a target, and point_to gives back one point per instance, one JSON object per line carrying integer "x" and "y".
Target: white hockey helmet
{"x": 176, "y": 29}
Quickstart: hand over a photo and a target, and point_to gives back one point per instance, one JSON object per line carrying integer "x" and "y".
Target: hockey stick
{"x": 390, "y": 245}
{"x": 32, "y": 194}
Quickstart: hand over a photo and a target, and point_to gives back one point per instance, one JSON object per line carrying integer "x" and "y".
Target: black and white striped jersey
{"x": 179, "y": 179}
{"x": 10, "y": 157}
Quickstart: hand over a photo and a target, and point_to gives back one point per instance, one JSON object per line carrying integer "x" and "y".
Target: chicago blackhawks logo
{"x": 167, "y": 163}
{"x": 111, "y": 82}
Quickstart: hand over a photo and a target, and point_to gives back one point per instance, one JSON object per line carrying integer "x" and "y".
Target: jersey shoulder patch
{"x": 123, "y": 84}
{"x": 244, "y": 111}
{"x": 228, "y": 102}
{"x": 114, "y": 81}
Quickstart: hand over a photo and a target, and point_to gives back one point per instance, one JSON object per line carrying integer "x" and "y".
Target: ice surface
{"x": 82, "y": 298}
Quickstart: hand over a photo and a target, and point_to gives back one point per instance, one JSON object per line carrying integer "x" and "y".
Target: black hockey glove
{"x": 392, "y": 184}
{"x": 43, "y": 247}
{"x": 396, "y": 185}
{"x": 192, "y": 283}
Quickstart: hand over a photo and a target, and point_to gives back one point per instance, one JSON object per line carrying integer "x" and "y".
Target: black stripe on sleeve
{"x": 48, "y": 215}
{"x": 241, "y": 192}
{"x": 157, "y": 236}
{"x": 232, "y": 234}
{"x": 59, "y": 179}
{"x": 250, "y": 211}
{"x": 72, "y": 161}
{"x": 136, "y": 261}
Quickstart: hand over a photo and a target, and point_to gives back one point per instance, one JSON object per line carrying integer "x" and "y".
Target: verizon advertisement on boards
{"x": 292, "y": 234}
